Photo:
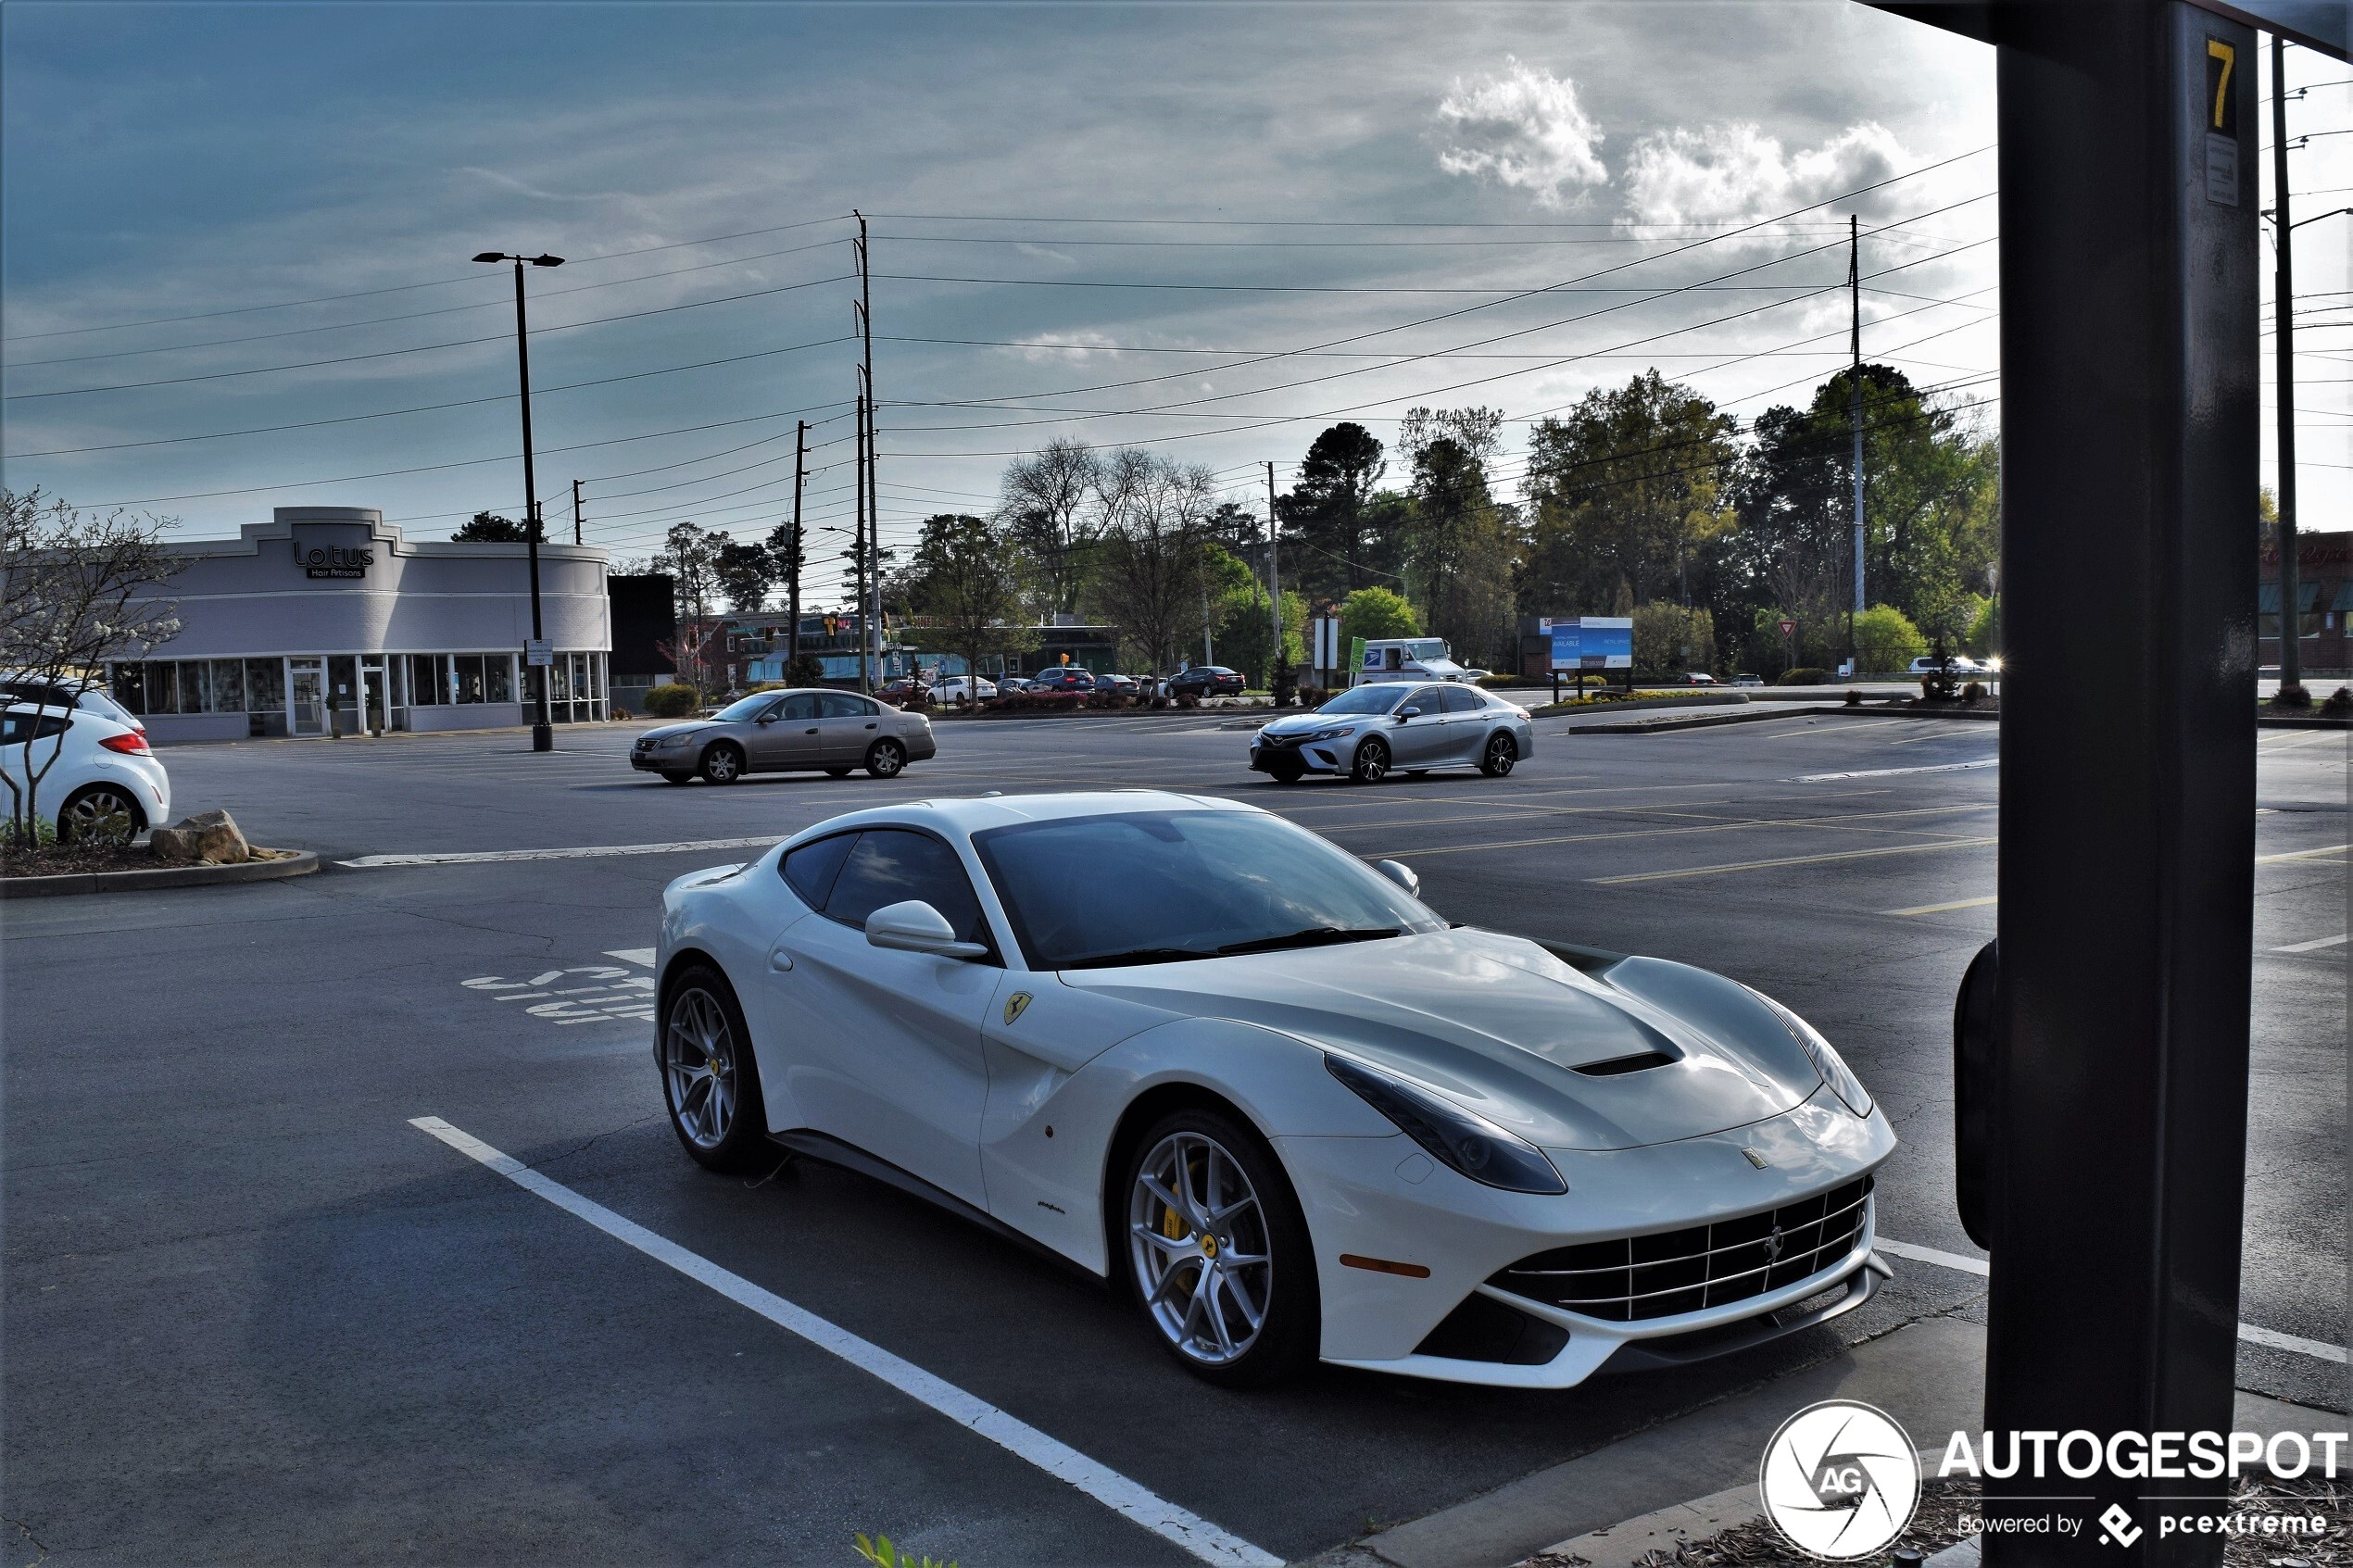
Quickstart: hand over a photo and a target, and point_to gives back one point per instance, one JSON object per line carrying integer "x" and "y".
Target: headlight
{"x": 666, "y": 742}
{"x": 1337, "y": 732}
{"x": 1825, "y": 1058}
{"x": 1470, "y": 1145}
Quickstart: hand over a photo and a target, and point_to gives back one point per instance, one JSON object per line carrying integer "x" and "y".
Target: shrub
{"x": 1886, "y": 639}
{"x": 805, "y": 670}
{"x": 1803, "y": 675}
{"x": 882, "y": 1554}
{"x": 1973, "y": 691}
{"x": 2339, "y": 704}
{"x": 1377, "y": 613}
{"x": 1854, "y": 698}
{"x": 672, "y": 701}
{"x": 1285, "y": 683}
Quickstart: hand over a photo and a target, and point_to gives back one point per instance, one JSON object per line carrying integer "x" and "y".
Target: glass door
{"x": 376, "y": 699}
{"x": 306, "y": 706}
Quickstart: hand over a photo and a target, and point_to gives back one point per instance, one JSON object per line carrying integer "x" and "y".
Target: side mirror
{"x": 767, "y": 718}
{"x": 915, "y": 927}
{"x": 1405, "y": 713}
{"x": 1401, "y": 874}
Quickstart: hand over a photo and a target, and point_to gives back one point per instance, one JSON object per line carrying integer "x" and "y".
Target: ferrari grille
{"x": 1659, "y": 1276}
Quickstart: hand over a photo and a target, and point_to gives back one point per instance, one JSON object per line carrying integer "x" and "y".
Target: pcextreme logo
{"x": 1840, "y": 1480}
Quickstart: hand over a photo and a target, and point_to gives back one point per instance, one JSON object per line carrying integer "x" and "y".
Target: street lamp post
{"x": 543, "y": 734}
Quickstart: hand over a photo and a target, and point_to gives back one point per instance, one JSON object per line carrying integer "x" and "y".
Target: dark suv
{"x": 1206, "y": 680}
{"x": 1065, "y": 678}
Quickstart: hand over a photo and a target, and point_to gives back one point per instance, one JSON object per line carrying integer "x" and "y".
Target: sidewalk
{"x": 1688, "y": 1478}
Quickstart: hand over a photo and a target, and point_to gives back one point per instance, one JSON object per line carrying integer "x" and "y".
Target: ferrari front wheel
{"x": 1218, "y": 1251}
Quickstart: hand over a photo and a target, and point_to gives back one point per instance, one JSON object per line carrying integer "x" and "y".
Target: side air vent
{"x": 1617, "y": 1066}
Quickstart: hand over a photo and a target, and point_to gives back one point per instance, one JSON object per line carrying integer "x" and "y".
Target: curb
{"x": 302, "y": 863}
{"x": 1706, "y": 721}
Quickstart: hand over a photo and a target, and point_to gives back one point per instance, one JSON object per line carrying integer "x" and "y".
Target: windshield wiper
{"x": 1143, "y": 955}
{"x": 1314, "y": 936}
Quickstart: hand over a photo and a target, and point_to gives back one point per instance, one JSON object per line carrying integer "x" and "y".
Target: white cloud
{"x": 1521, "y": 127}
{"x": 1736, "y": 172}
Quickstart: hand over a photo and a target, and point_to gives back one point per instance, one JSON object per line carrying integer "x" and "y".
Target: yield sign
{"x": 1788, "y": 626}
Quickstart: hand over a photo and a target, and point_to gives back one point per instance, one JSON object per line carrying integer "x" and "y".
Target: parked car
{"x": 807, "y": 731}
{"x": 1957, "y": 663}
{"x": 1123, "y": 685}
{"x": 1206, "y": 680}
{"x": 1700, "y": 678}
{"x": 1067, "y": 678}
{"x": 1367, "y": 732}
{"x": 1474, "y": 673}
{"x": 964, "y": 688}
{"x": 101, "y": 781}
{"x": 1013, "y": 683}
{"x": 1748, "y": 680}
{"x": 905, "y": 691}
{"x": 1269, "y": 1068}
{"x": 88, "y": 696}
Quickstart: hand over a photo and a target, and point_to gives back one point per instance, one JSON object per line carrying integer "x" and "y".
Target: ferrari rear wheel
{"x": 709, "y": 1079}
{"x": 1218, "y": 1252}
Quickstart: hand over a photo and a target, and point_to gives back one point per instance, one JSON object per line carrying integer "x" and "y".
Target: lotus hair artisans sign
{"x": 338, "y": 553}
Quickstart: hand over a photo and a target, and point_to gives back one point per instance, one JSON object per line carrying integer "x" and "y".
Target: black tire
{"x": 1287, "y": 769}
{"x": 1371, "y": 763}
{"x": 100, "y": 814}
{"x": 673, "y": 776}
{"x": 1501, "y": 756}
{"x": 1291, "y": 1332}
{"x": 885, "y": 758}
{"x": 742, "y": 1143}
{"x": 722, "y": 764}
{"x": 837, "y": 773}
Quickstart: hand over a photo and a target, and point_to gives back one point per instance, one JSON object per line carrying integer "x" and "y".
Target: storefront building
{"x": 326, "y": 621}
{"x": 2324, "y": 604}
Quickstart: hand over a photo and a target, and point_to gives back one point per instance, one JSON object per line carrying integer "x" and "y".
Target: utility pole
{"x": 543, "y": 735}
{"x": 575, "y": 512}
{"x": 871, "y": 585}
{"x": 858, "y": 554}
{"x": 1855, "y": 343}
{"x": 2292, "y": 693}
{"x": 1274, "y": 572}
{"x": 792, "y": 563}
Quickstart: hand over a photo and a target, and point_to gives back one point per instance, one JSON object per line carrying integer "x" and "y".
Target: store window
{"x": 227, "y": 686}
{"x": 265, "y": 686}
{"x": 129, "y": 682}
{"x": 499, "y": 677}
{"x": 343, "y": 681}
{"x": 195, "y": 686}
{"x": 469, "y": 677}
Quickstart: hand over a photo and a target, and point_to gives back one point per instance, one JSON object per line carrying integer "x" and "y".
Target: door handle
{"x": 870, "y": 726}
{"x": 809, "y": 732}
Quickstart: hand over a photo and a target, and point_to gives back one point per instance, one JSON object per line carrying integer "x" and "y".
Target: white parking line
{"x": 1788, "y": 860}
{"x": 2318, "y": 1349}
{"x": 641, "y": 956}
{"x": 1942, "y": 908}
{"x": 2314, "y": 945}
{"x": 582, "y": 852}
{"x": 1188, "y": 1531}
{"x": 1890, "y": 773}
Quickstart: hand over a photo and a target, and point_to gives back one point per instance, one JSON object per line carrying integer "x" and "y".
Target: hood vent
{"x": 1618, "y": 1065}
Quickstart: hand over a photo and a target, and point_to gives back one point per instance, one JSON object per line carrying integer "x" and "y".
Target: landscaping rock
{"x": 207, "y": 837}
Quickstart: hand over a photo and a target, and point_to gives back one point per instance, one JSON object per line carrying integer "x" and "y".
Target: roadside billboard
{"x": 1592, "y": 642}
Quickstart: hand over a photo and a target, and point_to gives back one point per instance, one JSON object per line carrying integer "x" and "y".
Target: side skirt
{"x": 828, "y": 1150}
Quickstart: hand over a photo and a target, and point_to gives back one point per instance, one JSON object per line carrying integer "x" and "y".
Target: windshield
{"x": 1160, "y": 887}
{"x": 1365, "y": 699}
{"x": 744, "y": 708}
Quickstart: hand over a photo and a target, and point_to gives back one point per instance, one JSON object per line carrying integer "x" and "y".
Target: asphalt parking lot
{"x": 254, "y": 1313}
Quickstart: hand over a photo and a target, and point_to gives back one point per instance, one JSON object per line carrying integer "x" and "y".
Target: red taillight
{"x": 129, "y": 746}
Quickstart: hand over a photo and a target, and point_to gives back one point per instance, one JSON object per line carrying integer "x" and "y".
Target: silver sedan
{"x": 812, "y": 730}
{"x": 1368, "y": 731}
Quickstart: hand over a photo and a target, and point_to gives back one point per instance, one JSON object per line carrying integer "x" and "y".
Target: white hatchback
{"x": 962, "y": 688}
{"x": 98, "y": 779}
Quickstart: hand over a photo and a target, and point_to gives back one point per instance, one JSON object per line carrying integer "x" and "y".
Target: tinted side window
{"x": 17, "y": 728}
{"x": 810, "y": 869}
{"x": 800, "y": 707}
{"x": 1463, "y": 699}
{"x": 841, "y": 705}
{"x": 890, "y": 866}
{"x": 1429, "y": 699}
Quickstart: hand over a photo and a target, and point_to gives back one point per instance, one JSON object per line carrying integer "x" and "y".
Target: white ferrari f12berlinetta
{"x": 1257, "y": 1083}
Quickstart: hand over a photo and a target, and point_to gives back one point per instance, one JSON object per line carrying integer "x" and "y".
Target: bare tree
{"x": 1155, "y": 520}
{"x": 969, "y": 584}
{"x": 1051, "y": 507}
{"x": 76, "y": 590}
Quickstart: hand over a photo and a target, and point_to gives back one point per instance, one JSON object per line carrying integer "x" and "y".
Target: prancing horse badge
{"x": 1013, "y": 1005}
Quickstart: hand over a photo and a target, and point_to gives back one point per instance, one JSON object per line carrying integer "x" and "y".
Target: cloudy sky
{"x": 1217, "y": 228}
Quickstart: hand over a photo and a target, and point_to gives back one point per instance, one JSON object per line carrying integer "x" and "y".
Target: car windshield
{"x": 1366, "y": 699}
{"x": 744, "y": 708}
{"x": 1161, "y": 886}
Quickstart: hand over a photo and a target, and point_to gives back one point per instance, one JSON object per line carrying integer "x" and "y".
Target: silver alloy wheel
{"x": 1371, "y": 763}
{"x": 1502, "y": 753}
{"x": 885, "y": 760}
{"x": 699, "y": 1058}
{"x": 722, "y": 765}
{"x": 1199, "y": 1243}
{"x": 99, "y": 816}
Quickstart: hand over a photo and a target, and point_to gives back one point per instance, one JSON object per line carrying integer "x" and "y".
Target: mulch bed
{"x": 1936, "y": 1525}
{"x": 73, "y": 859}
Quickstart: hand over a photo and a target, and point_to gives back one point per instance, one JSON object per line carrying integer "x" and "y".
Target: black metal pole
{"x": 575, "y": 513}
{"x": 2292, "y": 691}
{"x": 543, "y": 734}
{"x": 2130, "y": 417}
{"x": 1855, "y": 373}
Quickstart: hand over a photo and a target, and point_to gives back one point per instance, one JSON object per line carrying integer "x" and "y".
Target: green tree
{"x": 1377, "y": 613}
{"x": 744, "y": 574}
{"x": 1886, "y": 640}
{"x": 1459, "y": 550}
{"x": 490, "y": 528}
{"x": 1670, "y": 639}
{"x": 1324, "y": 514}
{"x": 965, "y": 579}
